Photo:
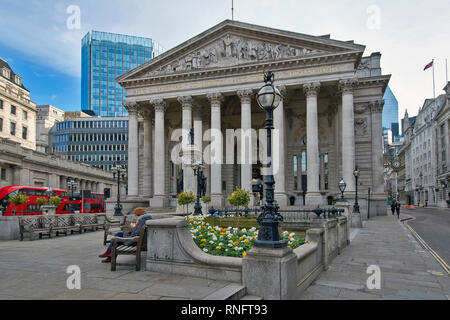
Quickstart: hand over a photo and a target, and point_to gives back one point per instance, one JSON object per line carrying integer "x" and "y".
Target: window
{"x": 1, "y": 124}
{"x": 13, "y": 129}
{"x": 3, "y": 174}
{"x": 1, "y": 104}
{"x": 25, "y": 115}
{"x": 13, "y": 109}
{"x": 24, "y": 133}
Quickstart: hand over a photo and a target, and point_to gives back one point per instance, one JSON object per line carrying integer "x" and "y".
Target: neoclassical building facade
{"x": 328, "y": 122}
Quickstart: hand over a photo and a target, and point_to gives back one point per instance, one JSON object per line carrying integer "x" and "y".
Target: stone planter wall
{"x": 171, "y": 249}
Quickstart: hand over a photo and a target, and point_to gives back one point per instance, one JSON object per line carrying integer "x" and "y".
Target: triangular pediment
{"x": 232, "y": 44}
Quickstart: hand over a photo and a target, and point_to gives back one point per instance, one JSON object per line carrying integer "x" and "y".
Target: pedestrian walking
{"x": 397, "y": 208}
{"x": 393, "y": 206}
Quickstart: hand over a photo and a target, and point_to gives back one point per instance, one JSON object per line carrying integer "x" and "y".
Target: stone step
{"x": 250, "y": 297}
{"x": 232, "y": 291}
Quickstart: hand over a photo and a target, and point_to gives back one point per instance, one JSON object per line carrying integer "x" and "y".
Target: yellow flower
{"x": 244, "y": 254}
{"x": 241, "y": 238}
{"x": 246, "y": 240}
{"x": 203, "y": 240}
{"x": 218, "y": 247}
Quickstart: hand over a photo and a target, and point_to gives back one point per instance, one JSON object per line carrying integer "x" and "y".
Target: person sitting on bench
{"x": 142, "y": 217}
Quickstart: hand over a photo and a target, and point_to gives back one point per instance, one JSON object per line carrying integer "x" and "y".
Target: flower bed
{"x": 230, "y": 242}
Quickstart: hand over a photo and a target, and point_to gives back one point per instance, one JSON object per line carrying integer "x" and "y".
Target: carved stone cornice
{"x": 245, "y": 95}
{"x": 311, "y": 89}
{"x": 160, "y": 105}
{"x": 347, "y": 85}
{"x": 145, "y": 113}
{"x": 132, "y": 107}
{"x": 186, "y": 102}
{"x": 215, "y": 99}
{"x": 361, "y": 108}
{"x": 376, "y": 106}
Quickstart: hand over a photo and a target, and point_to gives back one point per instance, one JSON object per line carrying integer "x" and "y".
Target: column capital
{"x": 347, "y": 85}
{"x": 311, "y": 89}
{"x": 159, "y": 104}
{"x": 215, "y": 99}
{"x": 131, "y": 106}
{"x": 186, "y": 102}
{"x": 376, "y": 106}
{"x": 245, "y": 95}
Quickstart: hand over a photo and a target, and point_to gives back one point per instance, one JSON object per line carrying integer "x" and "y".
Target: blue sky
{"x": 39, "y": 45}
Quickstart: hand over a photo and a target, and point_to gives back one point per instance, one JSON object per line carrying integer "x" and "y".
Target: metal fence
{"x": 292, "y": 215}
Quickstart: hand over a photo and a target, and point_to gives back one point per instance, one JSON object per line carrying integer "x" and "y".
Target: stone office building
{"x": 329, "y": 121}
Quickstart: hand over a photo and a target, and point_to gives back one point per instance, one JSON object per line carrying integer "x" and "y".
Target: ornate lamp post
{"x": 198, "y": 172}
{"x": 356, "y": 206}
{"x": 268, "y": 99}
{"x": 342, "y": 185}
{"x": 71, "y": 186}
{"x": 119, "y": 172}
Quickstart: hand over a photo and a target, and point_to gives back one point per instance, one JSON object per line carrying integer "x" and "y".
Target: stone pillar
{"x": 216, "y": 150}
{"x": 159, "y": 195}
{"x": 246, "y": 139}
{"x": 188, "y": 173}
{"x": 377, "y": 197}
{"x": 279, "y": 152}
{"x": 147, "y": 183}
{"x": 313, "y": 196}
{"x": 348, "y": 135}
{"x": 198, "y": 140}
{"x": 299, "y": 171}
{"x": 133, "y": 150}
{"x": 322, "y": 172}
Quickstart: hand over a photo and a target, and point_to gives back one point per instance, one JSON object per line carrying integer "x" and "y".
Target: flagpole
{"x": 446, "y": 72}
{"x": 434, "y": 90}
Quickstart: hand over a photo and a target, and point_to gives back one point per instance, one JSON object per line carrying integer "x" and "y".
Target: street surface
{"x": 433, "y": 226}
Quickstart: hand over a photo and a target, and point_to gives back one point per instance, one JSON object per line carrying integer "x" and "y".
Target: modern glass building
{"x": 97, "y": 141}
{"x": 104, "y": 57}
{"x": 390, "y": 112}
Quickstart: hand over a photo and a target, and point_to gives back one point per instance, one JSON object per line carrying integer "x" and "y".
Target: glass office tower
{"x": 104, "y": 57}
{"x": 390, "y": 112}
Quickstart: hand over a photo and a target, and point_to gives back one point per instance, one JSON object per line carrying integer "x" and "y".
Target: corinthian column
{"x": 376, "y": 108}
{"x": 313, "y": 196}
{"x": 246, "y": 139}
{"x": 188, "y": 173}
{"x": 147, "y": 185}
{"x": 279, "y": 155}
{"x": 159, "y": 195}
{"x": 216, "y": 150}
{"x": 133, "y": 150}
{"x": 348, "y": 134}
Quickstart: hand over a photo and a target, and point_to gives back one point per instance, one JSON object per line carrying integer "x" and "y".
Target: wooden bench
{"x": 113, "y": 226}
{"x": 129, "y": 246}
{"x": 34, "y": 224}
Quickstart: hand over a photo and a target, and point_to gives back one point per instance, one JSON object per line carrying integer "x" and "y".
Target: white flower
{"x": 211, "y": 242}
{"x": 205, "y": 250}
{"x": 292, "y": 234}
{"x": 236, "y": 248}
{"x": 285, "y": 232}
{"x": 244, "y": 230}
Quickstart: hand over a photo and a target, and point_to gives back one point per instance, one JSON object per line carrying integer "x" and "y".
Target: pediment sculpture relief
{"x": 230, "y": 51}
{"x": 360, "y": 127}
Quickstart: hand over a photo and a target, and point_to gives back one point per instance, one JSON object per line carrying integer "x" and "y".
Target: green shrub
{"x": 41, "y": 201}
{"x": 18, "y": 200}
{"x": 55, "y": 201}
{"x": 239, "y": 198}
{"x": 206, "y": 199}
{"x": 185, "y": 199}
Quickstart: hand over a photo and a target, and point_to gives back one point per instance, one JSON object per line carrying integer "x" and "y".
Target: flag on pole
{"x": 428, "y": 66}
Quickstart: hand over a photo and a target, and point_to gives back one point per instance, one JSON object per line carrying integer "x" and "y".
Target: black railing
{"x": 287, "y": 215}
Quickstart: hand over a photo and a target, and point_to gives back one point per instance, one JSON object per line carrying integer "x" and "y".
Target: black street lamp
{"x": 71, "y": 186}
{"x": 198, "y": 172}
{"x": 268, "y": 99}
{"x": 119, "y": 172}
{"x": 342, "y": 186}
{"x": 356, "y": 206}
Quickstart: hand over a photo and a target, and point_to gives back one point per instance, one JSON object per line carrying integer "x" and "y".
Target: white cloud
{"x": 410, "y": 35}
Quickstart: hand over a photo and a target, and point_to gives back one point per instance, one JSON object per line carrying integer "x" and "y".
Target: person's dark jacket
{"x": 140, "y": 223}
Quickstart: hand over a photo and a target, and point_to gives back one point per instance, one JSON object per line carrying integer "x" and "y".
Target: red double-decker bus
{"x": 93, "y": 204}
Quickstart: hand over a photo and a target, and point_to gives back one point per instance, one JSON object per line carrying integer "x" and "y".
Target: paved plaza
{"x": 37, "y": 270}
{"x": 407, "y": 270}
